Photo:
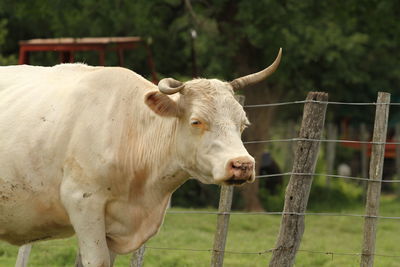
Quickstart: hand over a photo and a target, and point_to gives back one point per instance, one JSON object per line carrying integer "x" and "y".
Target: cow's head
{"x": 210, "y": 123}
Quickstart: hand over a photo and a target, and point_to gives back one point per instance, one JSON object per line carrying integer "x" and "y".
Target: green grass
{"x": 247, "y": 233}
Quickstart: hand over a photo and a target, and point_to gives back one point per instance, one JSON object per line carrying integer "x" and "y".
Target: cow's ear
{"x": 161, "y": 104}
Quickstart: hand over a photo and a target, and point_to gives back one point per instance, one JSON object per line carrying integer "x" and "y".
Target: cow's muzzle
{"x": 239, "y": 171}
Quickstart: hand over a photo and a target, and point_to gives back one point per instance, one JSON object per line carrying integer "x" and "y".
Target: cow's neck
{"x": 149, "y": 155}
{"x": 147, "y": 184}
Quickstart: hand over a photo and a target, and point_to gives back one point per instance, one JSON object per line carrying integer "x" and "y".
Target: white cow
{"x": 98, "y": 151}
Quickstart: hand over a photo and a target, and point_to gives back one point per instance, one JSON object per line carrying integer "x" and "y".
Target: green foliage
{"x": 3, "y": 30}
{"x": 340, "y": 196}
{"x": 272, "y": 202}
{"x": 5, "y": 60}
{"x": 193, "y": 194}
{"x": 341, "y": 47}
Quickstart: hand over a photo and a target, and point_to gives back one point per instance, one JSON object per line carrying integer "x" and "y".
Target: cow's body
{"x": 82, "y": 130}
{"x": 98, "y": 151}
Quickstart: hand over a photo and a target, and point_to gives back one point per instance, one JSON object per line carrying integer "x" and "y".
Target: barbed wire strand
{"x": 43, "y": 245}
{"x": 320, "y": 140}
{"x": 331, "y": 253}
{"x": 320, "y": 102}
{"x": 280, "y": 213}
{"x": 326, "y": 175}
{"x": 323, "y": 174}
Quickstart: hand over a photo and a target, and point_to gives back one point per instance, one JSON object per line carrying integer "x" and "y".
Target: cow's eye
{"x": 196, "y": 123}
{"x": 199, "y": 124}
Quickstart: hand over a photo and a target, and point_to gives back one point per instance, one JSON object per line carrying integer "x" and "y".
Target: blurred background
{"x": 346, "y": 48}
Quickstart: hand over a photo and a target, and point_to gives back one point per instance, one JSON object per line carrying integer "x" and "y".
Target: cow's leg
{"x": 86, "y": 212}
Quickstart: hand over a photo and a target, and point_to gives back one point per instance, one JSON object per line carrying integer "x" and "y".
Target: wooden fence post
{"x": 221, "y": 233}
{"x": 375, "y": 174}
{"x": 138, "y": 257}
{"x": 298, "y": 189}
{"x": 78, "y": 260}
{"x": 330, "y": 151}
{"x": 23, "y": 255}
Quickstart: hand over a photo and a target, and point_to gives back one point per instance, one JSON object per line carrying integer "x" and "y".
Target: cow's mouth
{"x": 233, "y": 181}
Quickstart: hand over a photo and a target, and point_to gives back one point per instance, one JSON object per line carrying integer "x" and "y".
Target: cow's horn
{"x": 170, "y": 86}
{"x": 258, "y": 76}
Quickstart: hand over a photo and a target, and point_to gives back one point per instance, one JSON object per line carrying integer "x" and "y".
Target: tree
{"x": 5, "y": 60}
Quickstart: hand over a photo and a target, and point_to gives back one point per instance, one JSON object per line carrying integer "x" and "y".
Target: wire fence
{"x": 366, "y": 179}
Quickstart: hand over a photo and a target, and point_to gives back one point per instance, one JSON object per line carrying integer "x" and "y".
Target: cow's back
{"x": 50, "y": 108}
{"x": 49, "y": 111}
{"x": 49, "y": 116}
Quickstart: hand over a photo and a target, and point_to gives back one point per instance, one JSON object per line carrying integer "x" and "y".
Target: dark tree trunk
{"x": 260, "y": 119}
{"x": 244, "y": 60}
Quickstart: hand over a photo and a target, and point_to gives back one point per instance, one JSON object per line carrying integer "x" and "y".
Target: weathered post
{"x": 221, "y": 233}
{"x": 298, "y": 189}
{"x": 330, "y": 151}
{"x": 375, "y": 175}
{"x": 78, "y": 260}
{"x": 23, "y": 255}
{"x": 138, "y": 257}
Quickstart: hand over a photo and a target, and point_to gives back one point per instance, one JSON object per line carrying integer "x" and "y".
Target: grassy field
{"x": 247, "y": 233}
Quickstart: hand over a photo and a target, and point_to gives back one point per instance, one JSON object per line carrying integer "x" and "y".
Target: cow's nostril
{"x": 241, "y": 165}
{"x": 237, "y": 165}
